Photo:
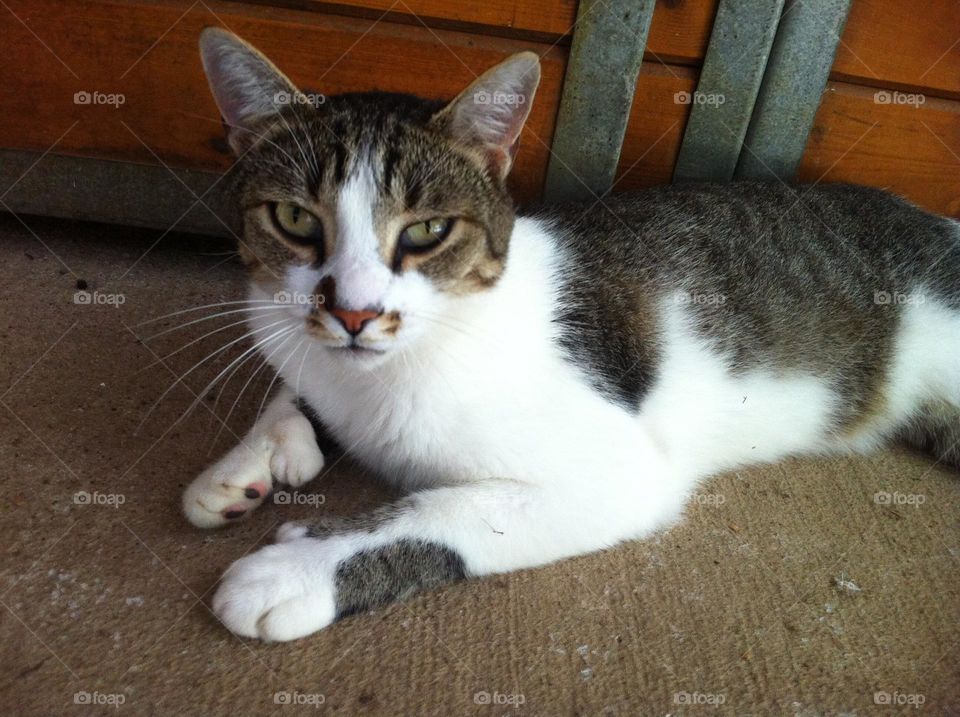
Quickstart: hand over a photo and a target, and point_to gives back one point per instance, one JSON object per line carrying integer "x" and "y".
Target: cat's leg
{"x": 930, "y": 349}
{"x": 281, "y": 446}
{"x": 936, "y": 429}
{"x": 318, "y": 573}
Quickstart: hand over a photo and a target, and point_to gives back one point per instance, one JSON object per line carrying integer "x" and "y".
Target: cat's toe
{"x": 291, "y": 531}
{"x": 281, "y": 592}
{"x": 217, "y": 497}
{"x": 296, "y": 458}
{"x": 296, "y": 462}
{"x": 297, "y": 617}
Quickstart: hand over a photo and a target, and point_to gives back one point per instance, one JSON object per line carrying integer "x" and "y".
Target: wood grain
{"x": 679, "y": 31}
{"x": 913, "y": 151}
{"x": 902, "y": 45}
{"x": 147, "y": 51}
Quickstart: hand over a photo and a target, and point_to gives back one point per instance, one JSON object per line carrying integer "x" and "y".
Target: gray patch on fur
{"x": 394, "y": 572}
{"x": 789, "y": 277}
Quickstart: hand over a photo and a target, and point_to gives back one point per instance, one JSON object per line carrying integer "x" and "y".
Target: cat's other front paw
{"x": 296, "y": 458}
{"x": 281, "y": 592}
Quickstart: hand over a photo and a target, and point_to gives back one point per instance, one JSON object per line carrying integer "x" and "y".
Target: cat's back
{"x": 767, "y": 237}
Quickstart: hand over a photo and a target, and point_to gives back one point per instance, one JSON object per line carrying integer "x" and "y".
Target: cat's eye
{"x": 425, "y": 235}
{"x": 297, "y": 222}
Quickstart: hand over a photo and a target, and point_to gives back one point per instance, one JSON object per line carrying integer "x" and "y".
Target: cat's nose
{"x": 354, "y": 321}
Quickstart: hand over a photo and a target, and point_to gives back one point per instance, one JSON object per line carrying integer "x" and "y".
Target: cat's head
{"x": 369, "y": 215}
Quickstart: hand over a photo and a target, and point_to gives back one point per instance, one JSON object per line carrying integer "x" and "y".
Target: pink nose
{"x": 354, "y": 321}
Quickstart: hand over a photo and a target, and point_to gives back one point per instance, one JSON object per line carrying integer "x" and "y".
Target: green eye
{"x": 426, "y": 234}
{"x": 297, "y": 221}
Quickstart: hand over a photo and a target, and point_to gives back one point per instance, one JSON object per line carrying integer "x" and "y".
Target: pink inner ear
{"x": 500, "y": 159}
{"x": 491, "y": 112}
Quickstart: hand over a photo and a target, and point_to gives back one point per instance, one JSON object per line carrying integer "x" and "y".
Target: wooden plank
{"x": 913, "y": 151}
{"x": 680, "y": 31}
{"x": 902, "y": 45}
{"x": 147, "y": 52}
{"x": 550, "y": 18}
{"x": 678, "y": 34}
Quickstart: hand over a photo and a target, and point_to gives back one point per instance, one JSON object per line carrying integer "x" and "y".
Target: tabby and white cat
{"x": 549, "y": 384}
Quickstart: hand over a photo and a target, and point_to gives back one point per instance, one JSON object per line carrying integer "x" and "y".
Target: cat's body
{"x": 658, "y": 317}
{"x": 571, "y": 380}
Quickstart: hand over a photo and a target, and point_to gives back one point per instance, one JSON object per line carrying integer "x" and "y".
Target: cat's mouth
{"x": 353, "y": 349}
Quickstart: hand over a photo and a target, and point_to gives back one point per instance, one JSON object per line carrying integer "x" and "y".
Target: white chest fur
{"x": 485, "y": 394}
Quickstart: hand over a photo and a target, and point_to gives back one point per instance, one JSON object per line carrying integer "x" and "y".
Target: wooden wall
{"x": 909, "y": 144}
{"x": 146, "y": 51}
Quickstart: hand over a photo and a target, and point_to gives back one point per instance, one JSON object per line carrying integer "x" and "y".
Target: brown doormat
{"x": 805, "y": 588}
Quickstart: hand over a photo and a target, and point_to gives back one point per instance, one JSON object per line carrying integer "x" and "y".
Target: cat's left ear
{"x": 489, "y": 114}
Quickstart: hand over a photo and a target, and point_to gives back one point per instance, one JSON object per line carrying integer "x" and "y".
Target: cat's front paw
{"x": 229, "y": 490}
{"x": 281, "y": 592}
{"x": 239, "y": 482}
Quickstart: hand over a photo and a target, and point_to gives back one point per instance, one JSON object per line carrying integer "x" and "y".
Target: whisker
{"x": 205, "y": 306}
{"x": 223, "y": 386}
{"x": 276, "y": 376}
{"x": 302, "y": 362}
{"x": 250, "y": 378}
{"x": 201, "y": 338}
{"x": 453, "y": 327}
{"x": 194, "y": 367}
{"x": 255, "y": 347}
{"x": 213, "y": 316}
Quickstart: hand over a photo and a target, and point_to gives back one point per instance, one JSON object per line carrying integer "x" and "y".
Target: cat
{"x": 546, "y": 384}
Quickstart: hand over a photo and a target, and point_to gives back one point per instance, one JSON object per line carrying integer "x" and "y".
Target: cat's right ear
{"x": 247, "y": 87}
